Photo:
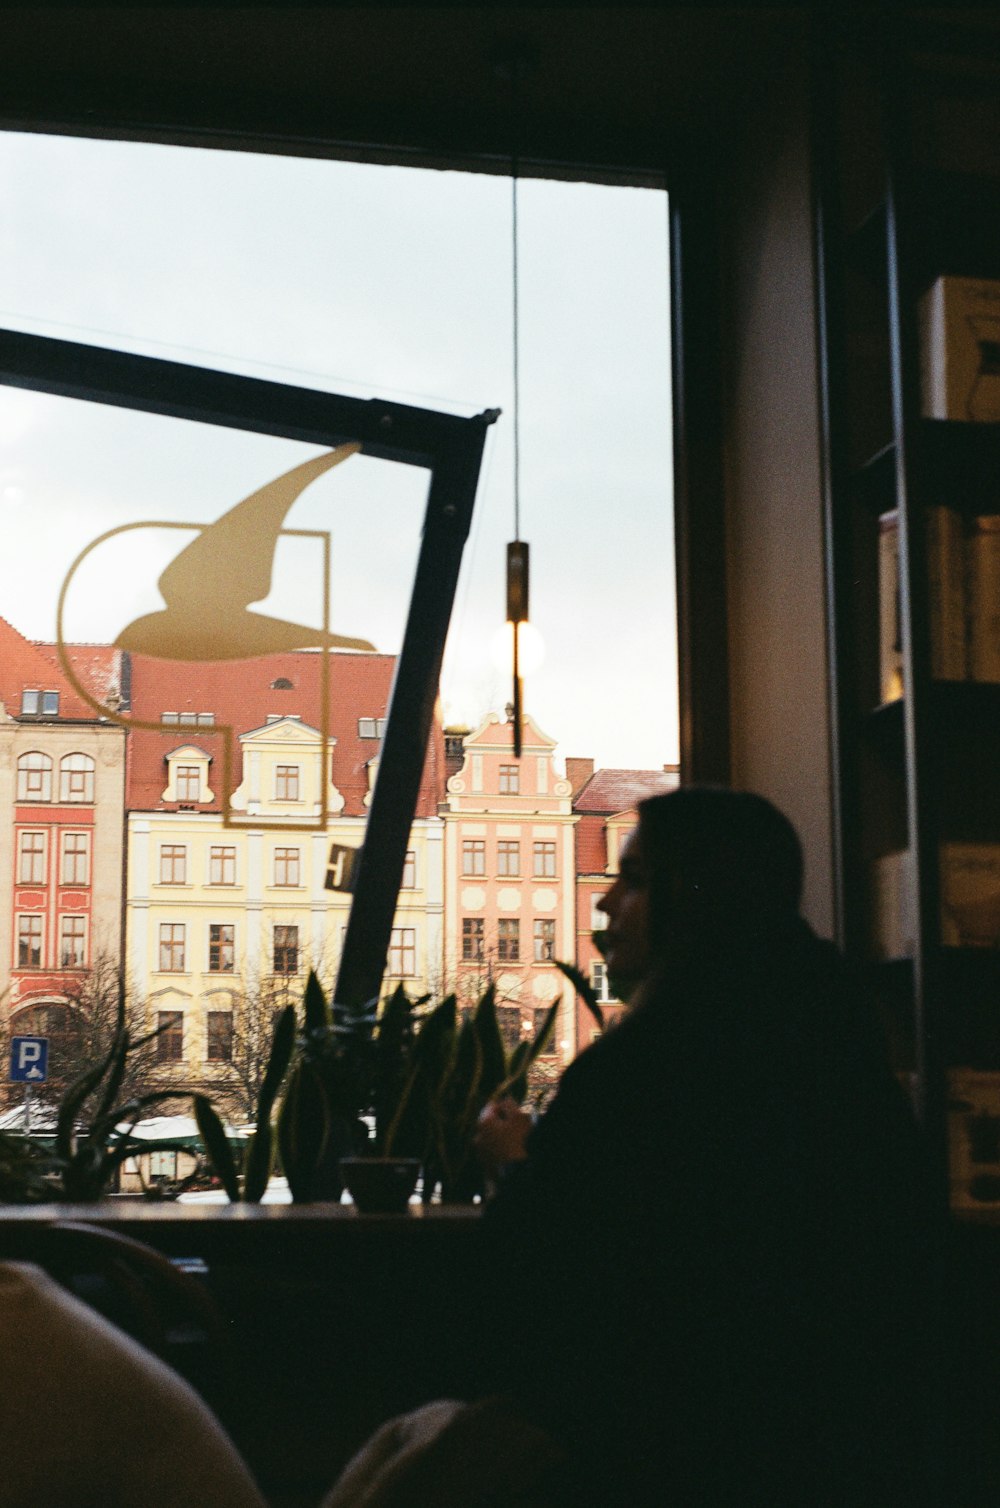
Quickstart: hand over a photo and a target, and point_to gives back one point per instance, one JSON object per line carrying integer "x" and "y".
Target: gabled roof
{"x": 243, "y": 694}
{"x": 610, "y": 792}
{"x": 24, "y": 665}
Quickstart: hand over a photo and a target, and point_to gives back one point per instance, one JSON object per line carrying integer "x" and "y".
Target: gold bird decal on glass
{"x": 210, "y": 585}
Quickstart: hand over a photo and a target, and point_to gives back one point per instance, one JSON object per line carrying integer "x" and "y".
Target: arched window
{"x": 34, "y": 777}
{"x": 76, "y": 778}
{"x": 63, "y": 1026}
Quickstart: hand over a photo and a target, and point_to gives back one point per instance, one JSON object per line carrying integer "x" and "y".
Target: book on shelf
{"x": 970, "y": 900}
{"x": 983, "y": 597}
{"x": 974, "y": 1137}
{"x": 959, "y": 323}
{"x": 963, "y": 598}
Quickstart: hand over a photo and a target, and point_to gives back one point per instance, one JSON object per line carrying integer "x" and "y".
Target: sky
{"x": 370, "y": 281}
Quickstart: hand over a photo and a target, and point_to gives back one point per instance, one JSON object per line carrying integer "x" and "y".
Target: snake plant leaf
{"x": 115, "y": 1077}
{"x": 217, "y": 1146}
{"x": 303, "y": 1128}
{"x": 516, "y": 1082}
{"x": 583, "y": 988}
{"x": 487, "y": 1029}
{"x": 317, "y": 1011}
{"x": 260, "y": 1157}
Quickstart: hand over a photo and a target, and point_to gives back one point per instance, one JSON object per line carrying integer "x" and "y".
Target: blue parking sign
{"x": 29, "y": 1060}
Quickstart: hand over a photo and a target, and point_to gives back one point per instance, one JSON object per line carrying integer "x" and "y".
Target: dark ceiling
{"x": 626, "y": 87}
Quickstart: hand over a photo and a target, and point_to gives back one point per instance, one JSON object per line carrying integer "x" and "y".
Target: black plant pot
{"x": 380, "y": 1185}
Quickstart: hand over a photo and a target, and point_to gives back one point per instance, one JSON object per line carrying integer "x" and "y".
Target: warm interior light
{"x": 530, "y": 644}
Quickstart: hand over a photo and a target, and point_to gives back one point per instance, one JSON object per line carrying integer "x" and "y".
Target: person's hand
{"x": 501, "y": 1134}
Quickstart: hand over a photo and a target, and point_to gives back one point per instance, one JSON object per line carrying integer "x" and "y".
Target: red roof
{"x": 33, "y": 667}
{"x": 244, "y": 694}
{"x": 611, "y": 791}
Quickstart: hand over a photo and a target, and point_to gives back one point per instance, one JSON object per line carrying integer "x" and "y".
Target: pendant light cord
{"x": 515, "y": 69}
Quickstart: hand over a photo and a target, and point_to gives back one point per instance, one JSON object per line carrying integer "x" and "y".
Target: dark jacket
{"x": 719, "y": 1266}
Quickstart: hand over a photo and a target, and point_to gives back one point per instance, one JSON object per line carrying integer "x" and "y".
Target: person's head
{"x": 704, "y": 863}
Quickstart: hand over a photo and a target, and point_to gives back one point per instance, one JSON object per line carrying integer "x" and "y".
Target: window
{"x": 31, "y": 859}
{"x": 545, "y": 940}
{"x": 75, "y": 859}
{"x": 286, "y": 782}
{"x": 162, "y": 1165}
{"x": 170, "y": 717}
{"x": 222, "y": 866}
{"x": 509, "y": 1022}
{"x": 286, "y": 866}
{"x": 286, "y": 950}
{"x": 170, "y": 1036}
{"x": 403, "y": 952}
{"x": 550, "y": 1047}
{"x": 219, "y": 1037}
{"x": 510, "y": 780}
{"x": 29, "y": 942}
{"x": 409, "y": 871}
{"x": 508, "y": 940}
{"x": 282, "y": 684}
{"x": 544, "y": 861}
{"x": 50, "y": 703}
{"x": 473, "y": 856}
{"x": 371, "y": 727}
{"x": 206, "y": 719}
{"x": 30, "y": 701}
{"x": 508, "y": 857}
{"x": 76, "y": 778}
{"x": 34, "y": 777}
{"x": 189, "y": 717}
{"x": 599, "y": 980}
{"x": 72, "y": 942}
{"x": 188, "y": 782}
{"x": 598, "y": 918}
{"x": 472, "y": 938}
{"x": 221, "y": 948}
{"x": 172, "y": 947}
{"x": 173, "y": 864}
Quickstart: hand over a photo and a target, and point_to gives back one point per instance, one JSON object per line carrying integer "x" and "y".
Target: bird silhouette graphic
{"x": 210, "y": 585}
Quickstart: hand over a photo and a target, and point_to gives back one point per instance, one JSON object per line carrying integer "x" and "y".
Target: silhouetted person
{"x": 714, "y": 1260}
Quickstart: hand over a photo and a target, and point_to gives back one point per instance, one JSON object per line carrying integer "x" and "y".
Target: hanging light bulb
{"x": 517, "y": 550}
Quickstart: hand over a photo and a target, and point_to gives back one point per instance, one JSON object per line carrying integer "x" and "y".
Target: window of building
{"x": 31, "y": 859}
{"x": 598, "y": 918}
{"x": 286, "y": 866}
{"x": 222, "y": 865}
{"x": 544, "y": 861}
{"x": 286, "y": 949}
{"x": 508, "y": 940}
{"x": 187, "y": 783}
{"x": 472, "y": 938}
{"x": 72, "y": 942}
{"x": 510, "y": 780}
{"x": 473, "y": 856}
{"x": 173, "y": 864}
{"x": 162, "y": 1165}
{"x": 205, "y": 719}
{"x": 545, "y": 940}
{"x": 172, "y": 935}
{"x": 170, "y": 1036}
{"x": 599, "y": 980}
{"x": 190, "y": 718}
{"x": 409, "y": 881}
{"x": 50, "y": 703}
{"x": 219, "y": 1037}
{"x": 551, "y": 1047}
{"x": 76, "y": 778}
{"x": 75, "y": 859}
{"x": 221, "y": 947}
{"x": 509, "y": 1022}
{"x": 29, "y": 942}
{"x": 34, "y": 777}
{"x": 403, "y": 953}
{"x": 170, "y": 717}
{"x": 286, "y": 782}
{"x": 30, "y": 702}
{"x": 508, "y": 857}
{"x": 371, "y": 727}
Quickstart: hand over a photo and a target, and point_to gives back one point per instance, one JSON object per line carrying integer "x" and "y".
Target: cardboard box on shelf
{"x": 970, "y": 900}
{"x": 960, "y": 350}
{"x": 983, "y": 597}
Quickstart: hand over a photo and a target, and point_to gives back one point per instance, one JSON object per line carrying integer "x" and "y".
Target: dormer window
{"x": 188, "y": 782}
{"x": 30, "y": 703}
{"x": 50, "y": 703}
{"x": 282, "y": 684}
{"x": 286, "y": 782}
{"x": 371, "y": 727}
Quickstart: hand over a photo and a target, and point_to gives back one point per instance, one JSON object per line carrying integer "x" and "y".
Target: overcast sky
{"x": 374, "y": 282}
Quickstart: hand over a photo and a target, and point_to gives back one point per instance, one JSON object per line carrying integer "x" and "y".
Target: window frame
{"x": 287, "y": 949}
{"x": 509, "y": 780}
{"x": 212, "y": 1022}
{"x": 473, "y": 939}
{"x": 221, "y": 947}
{"x": 79, "y": 935}
{"x": 187, "y": 776}
{"x": 287, "y": 861}
{"x": 172, "y": 856}
{"x": 176, "y": 946}
{"x": 473, "y": 858}
{"x": 69, "y": 772}
{"x": 507, "y": 849}
{"x": 543, "y": 859}
{"x": 289, "y": 776}
{"x": 402, "y": 950}
{"x": 40, "y": 854}
{"x": 169, "y": 1036}
{"x": 65, "y": 855}
{"x": 43, "y": 769}
{"x": 509, "y": 939}
{"x": 30, "y": 917}
{"x": 543, "y": 936}
{"x": 227, "y": 855}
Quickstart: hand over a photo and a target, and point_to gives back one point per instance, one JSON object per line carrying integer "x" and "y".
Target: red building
{"x": 605, "y": 806}
{"x": 62, "y": 770}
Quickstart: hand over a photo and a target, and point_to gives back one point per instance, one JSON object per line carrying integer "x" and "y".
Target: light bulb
{"x": 530, "y": 645}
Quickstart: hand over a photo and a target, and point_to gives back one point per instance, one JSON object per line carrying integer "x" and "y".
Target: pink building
{"x": 605, "y": 808}
{"x": 510, "y": 880}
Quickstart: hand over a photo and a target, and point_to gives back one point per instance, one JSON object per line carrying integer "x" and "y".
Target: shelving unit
{"x": 901, "y": 201}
